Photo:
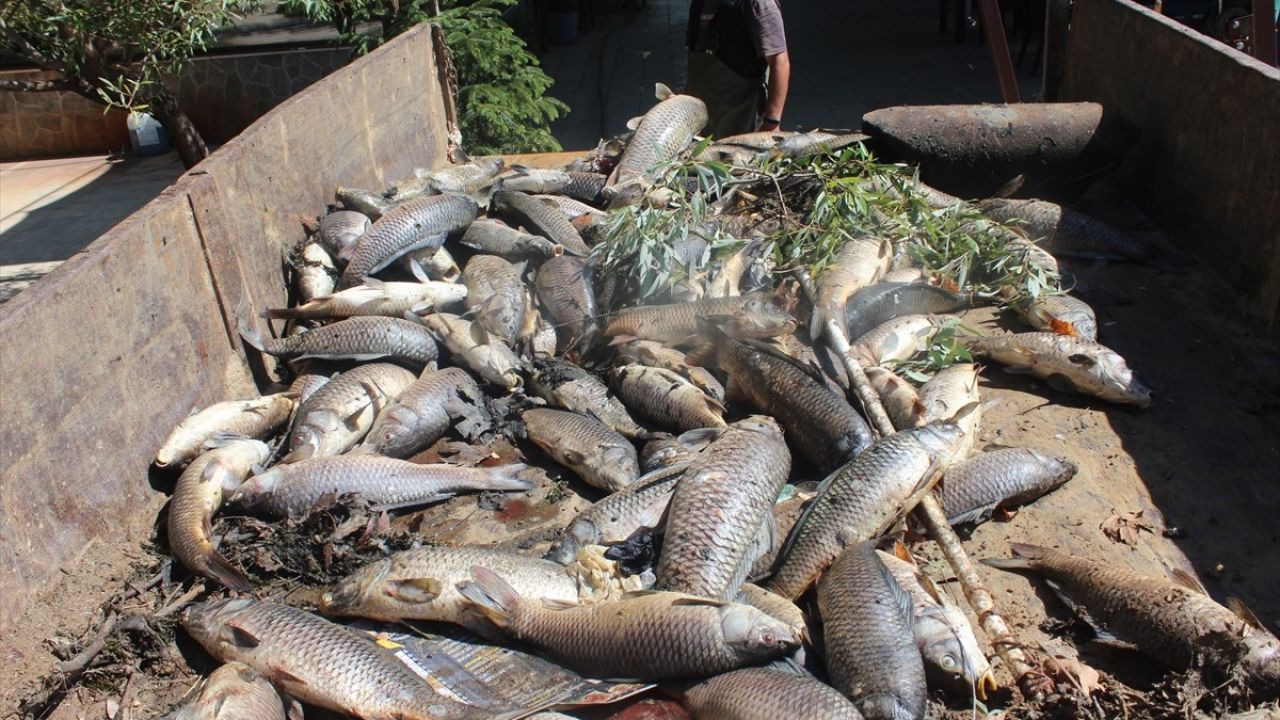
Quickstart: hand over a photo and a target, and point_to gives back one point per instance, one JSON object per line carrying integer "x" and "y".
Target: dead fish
{"x": 746, "y": 316}
{"x": 198, "y": 496}
{"x": 857, "y": 264}
{"x": 727, "y": 278}
{"x": 356, "y": 338}
{"x": 818, "y": 357}
{"x": 532, "y": 180}
{"x": 882, "y": 302}
{"x": 894, "y": 340}
{"x": 370, "y": 203}
{"x": 719, "y": 509}
{"x": 655, "y": 354}
{"x": 665, "y": 398}
{"x": 495, "y": 295}
{"x": 971, "y": 491}
{"x": 1061, "y": 314}
{"x": 871, "y": 653}
{"x": 759, "y": 140}
{"x": 942, "y": 632}
{"x": 1067, "y": 364}
{"x": 663, "y": 131}
{"x": 617, "y": 517}
{"x": 421, "y": 584}
{"x": 256, "y": 418}
{"x": 374, "y": 297}
{"x": 566, "y": 385}
{"x": 1173, "y": 622}
{"x": 820, "y": 424}
{"x": 320, "y": 663}
{"x": 767, "y": 693}
{"x": 541, "y": 217}
{"x": 816, "y": 142}
{"x": 419, "y": 223}
{"x": 316, "y": 272}
{"x": 861, "y": 499}
{"x": 236, "y": 691}
{"x": 1064, "y": 231}
{"x": 341, "y": 228}
{"x": 564, "y": 288}
{"x": 666, "y": 450}
{"x": 309, "y": 381}
{"x": 497, "y": 238}
{"x": 466, "y": 178}
{"x": 338, "y": 415}
{"x": 952, "y": 394}
{"x": 649, "y": 635}
{"x": 422, "y": 412}
{"x": 899, "y": 397}
{"x": 600, "y": 456}
{"x": 905, "y": 275}
{"x": 388, "y": 483}
{"x": 493, "y": 361}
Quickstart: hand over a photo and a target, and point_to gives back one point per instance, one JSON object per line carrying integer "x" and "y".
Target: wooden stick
{"x": 1033, "y": 684}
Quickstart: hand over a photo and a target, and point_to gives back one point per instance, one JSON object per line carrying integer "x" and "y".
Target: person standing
{"x": 738, "y": 64}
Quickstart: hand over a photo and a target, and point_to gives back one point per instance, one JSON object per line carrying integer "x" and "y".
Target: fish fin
{"x": 901, "y": 597}
{"x": 1062, "y": 327}
{"x": 460, "y": 156}
{"x": 691, "y": 601}
{"x": 573, "y": 457}
{"x": 925, "y": 485}
{"x": 221, "y": 569}
{"x": 281, "y": 314}
{"x": 279, "y": 675}
{"x": 661, "y": 91}
{"x": 347, "y": 251}
{"x": 490, "y": 594}
{"x": 699, "y": 437}
{"x": 701, "y": 355}
{"x": 634, "y": 123}
{"x": 558, "y": 604}
{"x": 415, "y": 590}
{"x": 305, "y": 452}
{"x": 295, "y": 710}
{"x": 816, "y": 323}
{"x": 238, "y": 636}
{"x": 1184, "y": 578}
{"x": 418, "y": 272}
{"x": 1242, "y": 611}
{"x": 770, "y": 350}
{"x": 1011, "y": 186}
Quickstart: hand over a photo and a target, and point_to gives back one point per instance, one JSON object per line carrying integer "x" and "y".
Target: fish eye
{"x": 949, "y": 663}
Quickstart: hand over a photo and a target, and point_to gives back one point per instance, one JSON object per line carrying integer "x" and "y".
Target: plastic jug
{"x": 146, "y": 135}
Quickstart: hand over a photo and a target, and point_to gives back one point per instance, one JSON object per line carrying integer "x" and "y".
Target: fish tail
{"x": 491, "y": 595}
{"x": 505, "y": 477}
{"x": 281, "y": 314}
{"x": 252, "y": 333}
{"x": 1025, "y": 557}
{"x": 221, "y": 569}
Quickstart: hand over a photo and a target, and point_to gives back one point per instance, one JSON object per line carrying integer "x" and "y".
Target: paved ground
{"x": 847, "y": 58}
{"x": 50, "y": 209}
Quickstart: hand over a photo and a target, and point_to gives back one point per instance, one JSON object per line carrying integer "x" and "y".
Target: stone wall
{"x": 1206, "y": 167}
{"x": 223, "y": 94}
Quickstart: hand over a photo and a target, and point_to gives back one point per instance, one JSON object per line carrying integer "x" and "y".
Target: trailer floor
{"x": 1202, "y": 465}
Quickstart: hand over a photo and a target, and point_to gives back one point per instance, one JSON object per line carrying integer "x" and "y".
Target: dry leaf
{"x": 1082, "y": 676}
{"x": 1125, "y": 527}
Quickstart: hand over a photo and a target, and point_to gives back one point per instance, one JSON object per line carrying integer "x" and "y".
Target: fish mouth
{"x": 985, "y": 684}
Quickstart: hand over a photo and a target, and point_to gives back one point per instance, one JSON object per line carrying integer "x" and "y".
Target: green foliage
{"x": 944, "y": 350}
{"x": 115, "y": 52}
{"x": 660, "y": 246}
{"x": 849, "y": 194}
{"x": 502, "y": 106}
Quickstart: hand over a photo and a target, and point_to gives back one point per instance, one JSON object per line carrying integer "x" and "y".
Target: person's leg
{"x": 733, "y": 102}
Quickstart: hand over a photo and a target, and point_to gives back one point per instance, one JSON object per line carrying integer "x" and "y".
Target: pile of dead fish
{"x": 690, "y": 421}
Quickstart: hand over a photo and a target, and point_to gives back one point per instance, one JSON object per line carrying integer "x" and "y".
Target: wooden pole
{"x": 1033, "y": 684}
{"x": 993, "y": 28}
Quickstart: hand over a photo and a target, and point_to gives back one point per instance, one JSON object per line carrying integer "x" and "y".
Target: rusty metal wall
{"x": 102, "y": 357}
{"x": 1206, "y": 167}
